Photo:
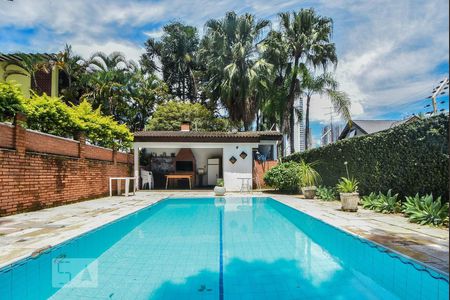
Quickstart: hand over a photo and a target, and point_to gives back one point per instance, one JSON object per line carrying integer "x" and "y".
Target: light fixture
{"x": 243, "y": 155}
{"x": 232, "y": 160}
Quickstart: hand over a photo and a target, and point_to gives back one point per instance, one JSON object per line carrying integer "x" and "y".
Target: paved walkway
{"x": 27, "y": 233}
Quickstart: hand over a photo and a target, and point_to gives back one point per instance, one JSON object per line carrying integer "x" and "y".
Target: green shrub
{"x": 425, "y": 210}
{"x": 326, "y": 193}
{"x": 284, "y": 177}
{"x": 308, "y": 175}
{"x": 10, "y": 100}
{"x": 370, "y": 201}
{"x": 387, "y": 203}
{"x": 410, "y": 158}
{"x": 101, "y": 130}
{"x": 50, "y": 115}
{"x": 347, "y": 185}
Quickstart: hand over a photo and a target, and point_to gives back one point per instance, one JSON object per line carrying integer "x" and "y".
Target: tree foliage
{"x": 176, "y": 52}
{"x": 170, "y": 115}
{"x": 236, "y": 75}
{"x": 11, "y": 99}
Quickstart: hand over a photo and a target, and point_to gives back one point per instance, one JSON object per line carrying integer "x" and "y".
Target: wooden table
{"x": 179, "y": 176}
{"x": 127, "y": 185}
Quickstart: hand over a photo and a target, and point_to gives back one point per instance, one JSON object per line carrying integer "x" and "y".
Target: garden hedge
{"x": 410, "y": 158}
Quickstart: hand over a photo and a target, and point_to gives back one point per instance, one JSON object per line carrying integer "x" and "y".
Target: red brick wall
{"x": 30, "y": 180}
{"x": 6, "y": 136}
{"x": 259, "y": 169}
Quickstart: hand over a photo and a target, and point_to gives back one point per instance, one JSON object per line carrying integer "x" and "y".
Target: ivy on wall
{"x": 410, "y": 158}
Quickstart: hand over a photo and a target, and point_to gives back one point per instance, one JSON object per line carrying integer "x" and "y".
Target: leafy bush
{"x": 100, "y": 129}
{"x": 347, "y": 185}
{"x": 326, "y": 193}
{"x": 50, "y": 115}
{"x": 410, "y": 158}
{"x": 425, "y": 210}
{"x": 370, "y": 201}
{"x": 308, "y": 175}
{"x": 10, "y": 100}
{"x": 220, "y": 182}
{"x": 284, "y": 177}
{"x": 388, "y": 204}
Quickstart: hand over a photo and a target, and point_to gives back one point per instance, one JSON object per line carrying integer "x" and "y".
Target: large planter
{"x": 309, "y": 192}
{"x": 349, "y": 201}
{"x": 219, "y": 190}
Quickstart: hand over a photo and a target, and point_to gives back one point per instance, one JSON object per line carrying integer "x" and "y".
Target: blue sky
{"x": 391, "y": 53}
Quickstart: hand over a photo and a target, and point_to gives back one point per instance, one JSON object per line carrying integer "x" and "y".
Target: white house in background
{"x": 206, "y": 156}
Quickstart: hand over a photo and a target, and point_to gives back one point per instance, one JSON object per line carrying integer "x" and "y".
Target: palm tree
{"x": 106, "y": 79}
{"x": 323, "y": 84}
{"x": 102, "y": 62}
{"x": 176, "y": 52}
{"x": 235, "y": 74}
{"x": 29, "y": 65}
{"x": 73, "y": 66}
{"x": 308, "y": 38}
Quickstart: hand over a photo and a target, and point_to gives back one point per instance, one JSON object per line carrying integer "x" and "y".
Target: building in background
{"x": 363, "y": 127}
{"x": 330, "y": 134}
{"x": 46, "y": 82}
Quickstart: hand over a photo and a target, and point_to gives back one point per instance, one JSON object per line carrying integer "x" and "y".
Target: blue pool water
{"x": 233, "y": 248}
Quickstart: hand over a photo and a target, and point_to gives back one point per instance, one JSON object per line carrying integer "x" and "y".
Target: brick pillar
{"x": 82, "y": 145}
{"x": 19, "y": 133}
{"x": 114, "y": 155}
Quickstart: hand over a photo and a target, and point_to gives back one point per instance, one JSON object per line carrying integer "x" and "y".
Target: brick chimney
{"x": 185, "y": 126}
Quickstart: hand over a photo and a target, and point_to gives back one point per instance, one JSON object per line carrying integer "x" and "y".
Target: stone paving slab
{"x": 23, "y": 234}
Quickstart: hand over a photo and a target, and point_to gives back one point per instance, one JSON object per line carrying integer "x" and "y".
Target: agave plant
{"x": 347, "y": 185}
{"x": 387, "y": 203}
{"x": 425, "y": 210}
{"x": 326, "y": 193}
{"x": 370, "y": 201}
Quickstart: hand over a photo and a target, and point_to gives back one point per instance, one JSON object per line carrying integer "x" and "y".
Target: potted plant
{"x": 219, "y": 189}
{"x": 348, "y": 192}
{"x": 309, "y": 177}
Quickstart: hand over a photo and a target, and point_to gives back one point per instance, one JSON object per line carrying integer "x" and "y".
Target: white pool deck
{"x": 24, "y": 234}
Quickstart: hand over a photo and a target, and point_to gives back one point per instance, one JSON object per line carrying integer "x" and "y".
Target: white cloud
{"x": 131, "y": 51}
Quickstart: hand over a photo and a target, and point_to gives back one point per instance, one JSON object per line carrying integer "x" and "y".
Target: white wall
{"x": 241, "y": 169}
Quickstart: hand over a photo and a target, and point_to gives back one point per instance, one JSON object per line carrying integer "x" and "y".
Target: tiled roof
{"x": 205, "y": 136}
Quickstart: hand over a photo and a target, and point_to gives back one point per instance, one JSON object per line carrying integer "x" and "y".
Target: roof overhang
{"x": 206, "y": 137}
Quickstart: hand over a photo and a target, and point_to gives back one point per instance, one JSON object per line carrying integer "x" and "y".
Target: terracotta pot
{"x": 349, "y": 201}
{"x": 219, "y": 190}
{"x": 309, "y": 192}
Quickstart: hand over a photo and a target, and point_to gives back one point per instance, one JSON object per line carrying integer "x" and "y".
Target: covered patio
{"x": 194, "y": 159}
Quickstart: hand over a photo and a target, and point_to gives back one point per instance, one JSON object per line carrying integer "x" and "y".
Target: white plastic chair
{"x": 147, "y": 178}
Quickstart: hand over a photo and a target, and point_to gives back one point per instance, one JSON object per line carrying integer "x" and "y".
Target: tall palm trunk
{"x": 307, "y": 137}
{"x": 290, "y": 106}
{"x": 194, "y": 84}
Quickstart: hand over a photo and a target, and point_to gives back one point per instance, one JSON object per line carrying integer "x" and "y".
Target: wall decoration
{"x": 233, "y": 160}
{"x": 243, "y": 155}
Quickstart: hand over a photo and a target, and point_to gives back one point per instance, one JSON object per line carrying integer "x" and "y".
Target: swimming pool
{"x": 220, "y": 248}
